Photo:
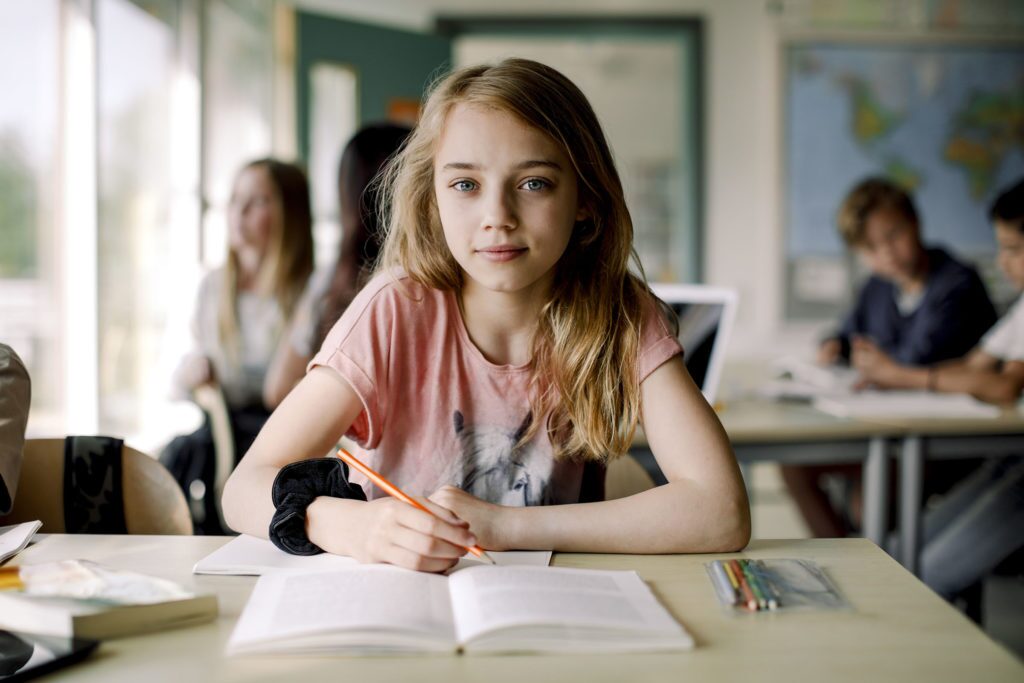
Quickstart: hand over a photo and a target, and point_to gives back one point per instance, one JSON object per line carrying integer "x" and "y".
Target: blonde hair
{"x": 593, "y": 320}
{"x": 289, "y": 260}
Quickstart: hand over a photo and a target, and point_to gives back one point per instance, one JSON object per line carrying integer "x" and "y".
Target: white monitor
{"x": 706, "y": 316}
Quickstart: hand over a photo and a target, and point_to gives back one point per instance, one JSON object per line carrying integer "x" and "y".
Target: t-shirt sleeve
{"x": 358, "y": 348}
{"x": 657, "y": 343}
{"x": 1005, "y": 340}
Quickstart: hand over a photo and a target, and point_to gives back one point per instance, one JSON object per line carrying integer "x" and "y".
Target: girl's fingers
{"x": 431, "y": 525}
{"x": 427, "y": 546}
{"x": 442, "y": 512}
{"x": 407, "y": 559}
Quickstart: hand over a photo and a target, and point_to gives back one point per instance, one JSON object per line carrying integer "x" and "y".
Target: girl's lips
{"x": 501, "y": 254}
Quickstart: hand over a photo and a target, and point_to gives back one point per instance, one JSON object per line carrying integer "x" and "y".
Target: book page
{"x": 370, "y": 598}
{"x": 490, "y": 598}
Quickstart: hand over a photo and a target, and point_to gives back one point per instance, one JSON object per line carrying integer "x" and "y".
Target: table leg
{"x": 876, "y": 491}
{"x": 911, "y": 484}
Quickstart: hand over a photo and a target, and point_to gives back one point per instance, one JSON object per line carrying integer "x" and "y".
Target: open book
{"x": 376, "y": 609}
{"x": 250, "y": 556}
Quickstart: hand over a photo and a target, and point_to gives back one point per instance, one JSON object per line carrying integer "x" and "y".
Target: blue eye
{"x": 464, "y": 186}
{"x": 535, "y": 184}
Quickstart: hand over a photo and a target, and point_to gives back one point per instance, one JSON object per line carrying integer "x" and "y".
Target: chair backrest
{"x": 625, "y": 477}
{"x": 153, "y": 503}
{"x": 210, "y": 398}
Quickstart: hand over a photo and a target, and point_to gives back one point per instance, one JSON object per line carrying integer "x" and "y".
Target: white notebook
{"x": 381, "y": 610}
{"x": 251, "y": 556}
{"x": 14, "y": 539}
{"x": 905, "y": 404}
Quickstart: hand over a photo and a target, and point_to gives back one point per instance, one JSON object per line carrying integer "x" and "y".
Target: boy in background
{"x": 920, "y": 306}
{"x": 979, "y": 523}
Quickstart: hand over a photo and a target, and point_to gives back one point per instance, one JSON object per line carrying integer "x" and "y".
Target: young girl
{"x": 503, "y": 345}
{"x": 242, "y": 310}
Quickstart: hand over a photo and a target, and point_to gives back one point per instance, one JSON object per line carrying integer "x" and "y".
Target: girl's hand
{"x": 390, "y": 531}
{"x": 485, "y": 519}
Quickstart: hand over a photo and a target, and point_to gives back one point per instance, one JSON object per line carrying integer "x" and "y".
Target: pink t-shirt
{"x": 436, "y": 411}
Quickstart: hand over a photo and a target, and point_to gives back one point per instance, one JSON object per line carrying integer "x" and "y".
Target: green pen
{"x": 755, "y": 585}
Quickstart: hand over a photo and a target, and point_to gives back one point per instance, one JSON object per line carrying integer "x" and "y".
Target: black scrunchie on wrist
{"x": 295, "y": 487}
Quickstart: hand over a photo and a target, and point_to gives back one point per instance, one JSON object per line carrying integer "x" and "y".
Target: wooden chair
{"x": 211, "y": 399}
{"x": 153, "y": 503}
{"x": 625, "y": 477}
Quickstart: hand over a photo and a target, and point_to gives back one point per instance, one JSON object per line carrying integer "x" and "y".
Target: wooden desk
{"x": 899, "y": 630}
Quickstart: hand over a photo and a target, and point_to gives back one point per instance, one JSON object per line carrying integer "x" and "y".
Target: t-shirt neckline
{"x": 463, "y": 334}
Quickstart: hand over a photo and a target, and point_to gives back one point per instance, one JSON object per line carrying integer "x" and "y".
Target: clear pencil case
{"x": 746, "y": 586}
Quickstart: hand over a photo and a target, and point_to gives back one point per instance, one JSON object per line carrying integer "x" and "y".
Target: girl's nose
{"x": 499, "y": 211}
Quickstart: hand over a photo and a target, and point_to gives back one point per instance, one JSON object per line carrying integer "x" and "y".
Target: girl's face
{"x": 253, "y": 212}
{"x": 1011, "y": 253}
{"x": 507, "y": 197}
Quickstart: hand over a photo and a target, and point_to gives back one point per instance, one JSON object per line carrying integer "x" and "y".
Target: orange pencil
{"x": 398, "y": 493}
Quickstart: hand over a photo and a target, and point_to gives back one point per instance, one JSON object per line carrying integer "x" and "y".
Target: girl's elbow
{"x": 737, "y": 527}
{"x": 230, "y": 502}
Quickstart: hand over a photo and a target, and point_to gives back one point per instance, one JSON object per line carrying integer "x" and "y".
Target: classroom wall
{"x": 743, "y": 237}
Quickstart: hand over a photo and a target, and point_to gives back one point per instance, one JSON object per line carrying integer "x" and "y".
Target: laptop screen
{"x": 698, "y": 329}
{"x": 706, "y": 315}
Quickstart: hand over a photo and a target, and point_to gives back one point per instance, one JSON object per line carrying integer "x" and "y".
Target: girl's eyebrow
{"x": 521, "y": 166}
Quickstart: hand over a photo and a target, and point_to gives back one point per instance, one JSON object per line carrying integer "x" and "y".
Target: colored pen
{"x": 755, "y": 585}
{"x": 762, "y": 574}
{"x": 726, "y": 591}
{"x": 744, "y": 586}
{"x": 392, "y": 490}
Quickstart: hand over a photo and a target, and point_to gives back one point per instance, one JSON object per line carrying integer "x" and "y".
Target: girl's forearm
{"x": 247, "y": 502}
{"x": 678, "y": 517}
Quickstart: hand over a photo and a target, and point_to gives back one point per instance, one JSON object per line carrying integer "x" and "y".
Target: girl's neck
{"x": 248, "y": 265}
{"x": 501, "y": 324}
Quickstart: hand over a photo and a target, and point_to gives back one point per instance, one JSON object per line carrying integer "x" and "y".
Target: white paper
{"x": 251, "y": 556}
{"x": 906, "y": 404}
{"x": 16, "y": 538}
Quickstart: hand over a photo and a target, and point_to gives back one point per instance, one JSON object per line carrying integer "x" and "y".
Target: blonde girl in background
{"x": 502, "y": 354}
{"x": 241, "y": 312}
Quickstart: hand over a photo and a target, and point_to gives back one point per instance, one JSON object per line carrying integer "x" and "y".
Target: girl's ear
{"x": 582, "y": 214}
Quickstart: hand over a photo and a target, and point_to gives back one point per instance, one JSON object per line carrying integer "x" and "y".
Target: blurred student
{"x": 241, "y": 313}
{"x": 358, "y": 197}
{"x": 979, "y": 523}
{"x": 919, "y": 306}
{"x": 15, "y": 396}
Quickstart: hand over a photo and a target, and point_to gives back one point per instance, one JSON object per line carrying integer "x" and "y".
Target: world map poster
{"x": 945, "y": 120}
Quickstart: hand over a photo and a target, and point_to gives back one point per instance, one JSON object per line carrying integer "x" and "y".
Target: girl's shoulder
{"x": 390, "y": 301}
{"x": 395, "y": 289}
